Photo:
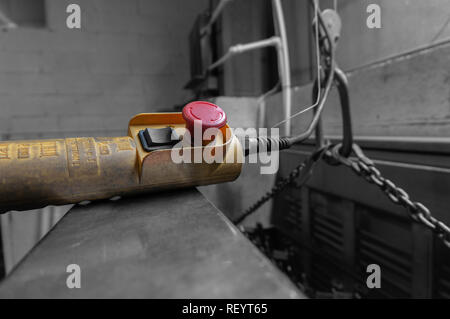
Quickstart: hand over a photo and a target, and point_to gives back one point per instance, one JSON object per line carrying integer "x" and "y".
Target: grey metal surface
{"x": 343, "y": 223}
{"x": 167, "y": 245}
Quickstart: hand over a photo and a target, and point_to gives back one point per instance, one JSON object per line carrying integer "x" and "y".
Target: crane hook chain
{"x": 364, "y": 167}
{"x": 360, "y": 164}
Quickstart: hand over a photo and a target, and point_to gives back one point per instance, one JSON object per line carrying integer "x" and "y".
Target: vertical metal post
{"x": 283, "y": 63}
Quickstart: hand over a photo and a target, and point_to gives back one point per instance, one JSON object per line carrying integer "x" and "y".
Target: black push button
{"x": 158, "y": 138}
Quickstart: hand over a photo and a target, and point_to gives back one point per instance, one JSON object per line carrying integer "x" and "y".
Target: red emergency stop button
{"x": 208, "y": 113}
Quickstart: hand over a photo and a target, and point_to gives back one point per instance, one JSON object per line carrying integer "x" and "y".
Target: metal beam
{"x": 166, "y": 245}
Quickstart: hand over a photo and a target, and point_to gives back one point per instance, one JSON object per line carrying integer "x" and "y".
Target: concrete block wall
{"x": 405, "y": 96}
{"x": 128, "y": 57}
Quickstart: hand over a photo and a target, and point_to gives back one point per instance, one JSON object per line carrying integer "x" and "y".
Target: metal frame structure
{"x": 279, "y": 41}
{"x": 123, "y": 255}
{"x": 338, "y": 231}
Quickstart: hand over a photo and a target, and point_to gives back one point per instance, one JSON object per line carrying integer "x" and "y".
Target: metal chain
{"x": 362, "y": 166}
{"x": 302, "y": 171}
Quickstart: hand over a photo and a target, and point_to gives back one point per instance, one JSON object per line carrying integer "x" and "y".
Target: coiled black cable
{"x": 265, "y": 144}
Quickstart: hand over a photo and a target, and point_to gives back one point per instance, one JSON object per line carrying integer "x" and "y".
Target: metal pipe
{"x": 330, "y": 78}
{"x": 283, "y": 63}
{"x": 279, "y": 41}
{"x": 241, "y": 48}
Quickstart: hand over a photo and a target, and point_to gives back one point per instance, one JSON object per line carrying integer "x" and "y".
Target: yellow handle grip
{"x": 38, "y": 173}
